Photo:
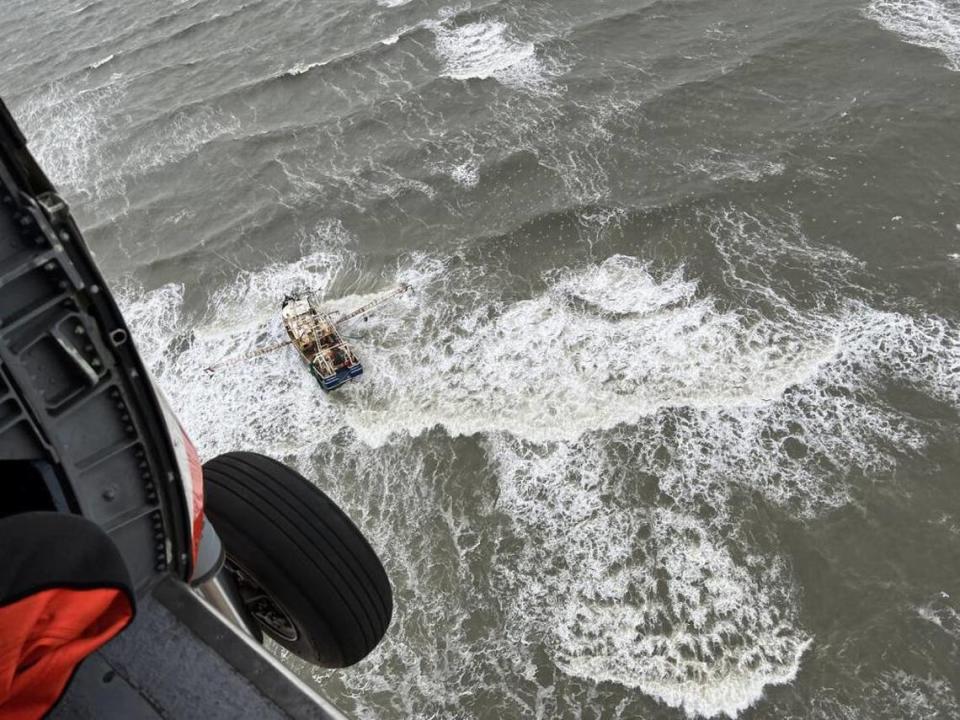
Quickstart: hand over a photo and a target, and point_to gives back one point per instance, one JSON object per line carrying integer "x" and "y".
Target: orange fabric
{"x": 44, "y": 636}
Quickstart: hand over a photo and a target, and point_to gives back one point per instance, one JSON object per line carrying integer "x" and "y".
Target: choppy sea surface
{"x": 669, "y": 427}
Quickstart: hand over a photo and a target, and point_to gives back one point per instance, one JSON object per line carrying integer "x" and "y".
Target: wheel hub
{"x": 262, "y": 607}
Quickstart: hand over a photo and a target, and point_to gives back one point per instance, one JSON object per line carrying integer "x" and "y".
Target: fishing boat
{"x": 314, "y": 333}
{"x": 315, "y": 336}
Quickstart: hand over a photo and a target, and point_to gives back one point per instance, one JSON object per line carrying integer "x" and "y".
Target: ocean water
{"x": 669, "y": 427}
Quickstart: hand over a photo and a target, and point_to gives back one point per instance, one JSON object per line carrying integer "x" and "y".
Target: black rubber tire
{"x": 295, "y": 543}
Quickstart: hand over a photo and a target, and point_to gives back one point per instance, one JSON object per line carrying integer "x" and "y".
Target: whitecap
{"x": 929, "y": 23}
{"x": 301, "y": 68}
{"x": 101, "y": 61}
{"x": 487, "y": 49}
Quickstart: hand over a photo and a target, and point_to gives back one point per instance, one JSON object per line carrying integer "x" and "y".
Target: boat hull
{"x": 332, "y": 382}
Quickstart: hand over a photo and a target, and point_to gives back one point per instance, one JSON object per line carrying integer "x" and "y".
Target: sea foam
{"x": 620, "y": 408}
{"x": 929, "y": 23}
{"x": 67, "y": 130}
{"x": 487, "y": 49}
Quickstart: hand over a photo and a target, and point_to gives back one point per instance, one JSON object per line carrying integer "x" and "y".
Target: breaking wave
{"x": 487, "y": 49}
{"x": 929, "y": 23}
{"x": 650, "y": 583}
{"x": 102, "y": 61}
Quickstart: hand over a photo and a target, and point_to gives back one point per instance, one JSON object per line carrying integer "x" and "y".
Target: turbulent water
{"x": 669, "y": 427}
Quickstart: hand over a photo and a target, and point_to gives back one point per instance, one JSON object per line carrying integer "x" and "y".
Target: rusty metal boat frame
{"x": 314, "y": 334}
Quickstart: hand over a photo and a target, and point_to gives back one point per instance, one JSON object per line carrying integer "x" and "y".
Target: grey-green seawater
{"x": 669, "y": 427}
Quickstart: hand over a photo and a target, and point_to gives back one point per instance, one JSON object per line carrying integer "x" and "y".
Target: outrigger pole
{"x": 363, "y": 310}
{"x": 249, "y": 356}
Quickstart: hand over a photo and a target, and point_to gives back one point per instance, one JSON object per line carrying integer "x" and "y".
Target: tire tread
{"x": 312, "y": 540}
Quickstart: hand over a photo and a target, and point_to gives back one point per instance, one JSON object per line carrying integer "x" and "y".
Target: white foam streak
{"x": 181, "y": 137}
{"x": 928, "y": 23}
{"x": 66, "y": 131}
{"x": 941, "y": 613}
{"x": 301, "y": 68}
{"x": 101, "y": 61}
{"x": 721, "y": 166}
{"x": 69, "y": 131}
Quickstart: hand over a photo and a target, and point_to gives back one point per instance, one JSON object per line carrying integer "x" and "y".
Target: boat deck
{"x": 315, "y": 336}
